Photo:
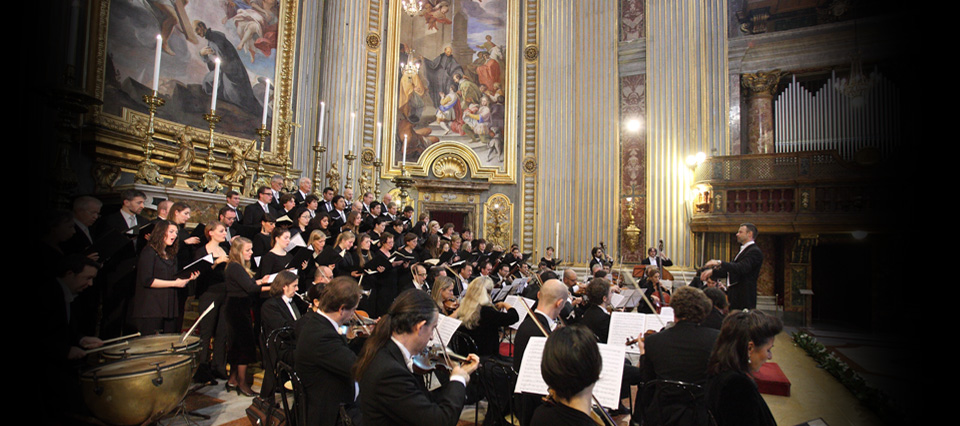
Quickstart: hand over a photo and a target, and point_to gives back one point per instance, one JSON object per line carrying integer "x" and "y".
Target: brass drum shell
{"x": 128, "y": 392}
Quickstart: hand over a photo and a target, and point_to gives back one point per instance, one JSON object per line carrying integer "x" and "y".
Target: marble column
{"x": 761, "y": 86}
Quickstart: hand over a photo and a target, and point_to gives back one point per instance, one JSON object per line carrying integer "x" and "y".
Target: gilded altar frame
{"x": 507, "y": 172}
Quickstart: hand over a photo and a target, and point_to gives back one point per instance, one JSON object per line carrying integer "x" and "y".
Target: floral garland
{"x": 869, "y": 396}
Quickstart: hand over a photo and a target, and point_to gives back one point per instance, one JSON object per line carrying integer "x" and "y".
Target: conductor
{"x": 742, "y": 272}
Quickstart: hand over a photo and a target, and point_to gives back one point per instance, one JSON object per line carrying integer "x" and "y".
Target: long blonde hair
{"x": 478, "y": 296}
{"x": 236, "y": 253}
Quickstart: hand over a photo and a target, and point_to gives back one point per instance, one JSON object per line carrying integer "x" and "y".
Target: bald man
{"x": 550, "y": 300}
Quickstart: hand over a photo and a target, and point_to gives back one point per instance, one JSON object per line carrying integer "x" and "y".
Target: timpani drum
{"x": 154, "y": 345}
{"x": 137, "y": 390}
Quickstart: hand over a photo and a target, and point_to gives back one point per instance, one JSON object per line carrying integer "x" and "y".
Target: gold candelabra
{"x": 147, "y": 171}
{"x": 377, "y": 164}
{"x": 349, "y": 157}
{"x": 210, "y": 181}
{"x": 631, "y": 233}
{"x": 403, "y": 182}
{"x": 317, "y": 181}
{"x": 261, "y": 180}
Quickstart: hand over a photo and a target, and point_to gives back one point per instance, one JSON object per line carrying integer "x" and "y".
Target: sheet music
{"x": 296, "y": 241}
{"x": 666, "y": 313}
{"x": 498, "y": 293}
{"x": 617, "y": 300}
{"x": 446, "y": 326}
{"x": 607, "y": 389}
{"x": 624, "y": 325}
{"x": 514, "y": 301}
{"x": 529, "y": 378}
{"x": 272, "y": 277}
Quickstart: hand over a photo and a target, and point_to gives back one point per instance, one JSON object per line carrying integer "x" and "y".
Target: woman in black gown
{"x": 482, "y": 319}
{"x": 155, "y": 307}
{"x": 211, "y": 289}
{"x": 570, "y": 366}
{"x": 241, "y": 288}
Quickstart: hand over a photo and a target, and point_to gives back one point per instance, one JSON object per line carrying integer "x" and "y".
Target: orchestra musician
{"x": 550, "y": 299}
{"x": 482, "y": 319}
{"x": 323, "y": 359}
{"x": 392, "y": 394}
{"x": 679, "y": 353}
{"x": 570, "y": 366}
{"x": 444, "y": 297}
{"x": 548, "y": 261}
{"x": 654, "y": 290}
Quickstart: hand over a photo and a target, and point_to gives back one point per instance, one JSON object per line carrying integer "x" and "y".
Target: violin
{"x": 451, "y": 304}
{"x": 433, "y": 357}
{"x": 360, "y": 326}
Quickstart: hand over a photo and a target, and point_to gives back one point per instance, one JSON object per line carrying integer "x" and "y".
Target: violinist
{"x": 720, "y": 308}
{"x": 392, "y": 394}
{"x": 658, "y": 295}
{"x": 442, "y": 294}
{"x": 323, "y": 359}
{"x": 570, "y": 366}
{"x": 463, "y": 279}
{"x": 679, "y": 353}
{"x": 482, "y": 318}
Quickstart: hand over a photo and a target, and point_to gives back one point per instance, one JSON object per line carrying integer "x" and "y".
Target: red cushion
{"x": 771, "y": 380}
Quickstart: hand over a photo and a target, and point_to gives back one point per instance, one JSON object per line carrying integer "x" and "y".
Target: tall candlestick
{"x": 323, "y": 110}
{"x": 156, "y": 64}
{"x": 379, "y": 136}
{"x": 216, "y": 84}
{"x": 404, "y": 150}
{"x": 266, "y": 99}
{"x": 556, "y": 243}
{"x": 353, "y": 127}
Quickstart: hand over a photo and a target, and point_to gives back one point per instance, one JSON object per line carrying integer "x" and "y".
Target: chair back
{"x": 297, "y": 414}
{"x": 674, "y": 403}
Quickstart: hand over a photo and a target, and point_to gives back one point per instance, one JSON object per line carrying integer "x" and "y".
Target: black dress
{"x": 486, "y": 334}
{"x": 212, "y": 289}
{"x": 241, "y": 288}
{"x": 385, "y": 286}
{"x": 554, "y": 414}
{"x": 155, "y": 309}
{"x": 733, "y": 399}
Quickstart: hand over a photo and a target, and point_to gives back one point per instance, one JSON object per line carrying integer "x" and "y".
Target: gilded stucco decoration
{"x": 762, "y": 83}
{"x": 373, "y": 41}
{"x": 497, "y": 220}
{"x": 529, "y": 165}
{"x": 531, "y": 52}
{"x": 366, "y": 157}
{"x": 450, "y": 165}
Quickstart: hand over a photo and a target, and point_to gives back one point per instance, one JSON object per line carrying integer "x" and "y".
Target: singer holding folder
{"x": 155, "y": 307}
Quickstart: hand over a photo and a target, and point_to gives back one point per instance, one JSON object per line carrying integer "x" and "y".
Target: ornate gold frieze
{"x": 366, "y": 157}
{"x": 450, "y": 165}
{"x": 497, "y": 220}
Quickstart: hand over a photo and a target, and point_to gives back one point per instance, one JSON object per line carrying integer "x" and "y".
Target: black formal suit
{"x": 253, "y": 214}
{"x": 274, "y": 316}
{"x": 528, "y": 403}
{"x": 78, "y": 243}
{"x": 323, "y": 362}
{"x": 713, "y": 320}
{"x": 391, "y": 395}
{"x": 597, "y": 321}
{"x": 299, "y": 197}
{"x": 742, "y": 274}
{"x": 665, "y": 262}
{"x": 554, "y": 414}
{"x": 679, "y": 353}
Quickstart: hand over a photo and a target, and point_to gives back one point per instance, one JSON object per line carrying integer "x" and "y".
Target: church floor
{"x": 815, "y": 394}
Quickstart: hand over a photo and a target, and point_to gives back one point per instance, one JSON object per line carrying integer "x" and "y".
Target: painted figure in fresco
{"x": 434, "y": 14}
{"x": 440, "y": 73}
{"x": 489, "y": 73}
{"x": 468, "y": 90}
{"x": 255, "y": 23}
{"x": 234, "y": 80}
{"x": 170, "y": 15}
{"x": 449, "y": 109}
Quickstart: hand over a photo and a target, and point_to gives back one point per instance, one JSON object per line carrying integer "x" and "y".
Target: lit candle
{"x": 266, "y": 99}
{"x": 323, "y": 110}
{"x": 379, "y": 137}
{"x": 404, "y": 150}
{"x": 216, "y": 85}
{"x": 353, "y": 127}
{"x": 556, "y": 243}
{"x": 156, "y": 64}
